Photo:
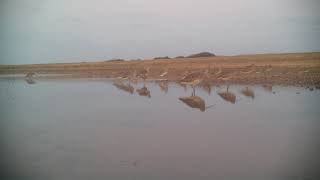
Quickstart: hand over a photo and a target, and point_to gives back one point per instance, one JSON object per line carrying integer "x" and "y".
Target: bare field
{"x": 293, "y": 69}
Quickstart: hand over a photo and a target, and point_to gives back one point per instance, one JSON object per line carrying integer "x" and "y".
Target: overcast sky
{"x": 47, "y": 31}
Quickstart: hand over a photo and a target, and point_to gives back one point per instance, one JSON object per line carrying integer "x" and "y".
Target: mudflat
{"x": 287, "y": 69}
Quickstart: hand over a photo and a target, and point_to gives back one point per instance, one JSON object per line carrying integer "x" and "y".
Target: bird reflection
{"x": 228, "y": 96}
{"x": 125, "y": 87}
{"x": 194, "y": 101}
{"x": 144, "y": 91}
{"x": 184, "y": 86}
{"x": 248, "y": 92}
{"x": 164, "y": 87}
{"x": 29, "y": 81}
{"x": 164, "y": 72}
{"x": 267, "y": 87}
{"x": 206, "y": 86}
{"x": 29, "y": 78}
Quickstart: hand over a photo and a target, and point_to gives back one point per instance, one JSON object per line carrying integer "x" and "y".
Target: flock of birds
{"x": 202, "y": 78}
{"x": 197, "y": 78}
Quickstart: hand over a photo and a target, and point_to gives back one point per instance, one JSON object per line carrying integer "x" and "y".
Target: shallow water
{"x": 81, "y": 129}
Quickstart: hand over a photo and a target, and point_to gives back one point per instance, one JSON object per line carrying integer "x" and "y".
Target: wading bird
{"x": 143, "y": 74}
{"x": 193, "y": 79}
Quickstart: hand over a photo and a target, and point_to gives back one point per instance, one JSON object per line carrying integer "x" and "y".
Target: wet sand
{"x": 282, "y": 69}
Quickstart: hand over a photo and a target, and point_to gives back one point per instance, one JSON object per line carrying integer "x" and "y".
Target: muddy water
{"x": 92, "y": 129}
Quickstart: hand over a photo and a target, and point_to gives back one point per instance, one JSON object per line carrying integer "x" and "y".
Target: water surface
{"x": 81, "y": 129}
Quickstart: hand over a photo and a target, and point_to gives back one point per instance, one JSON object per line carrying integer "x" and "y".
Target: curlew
{"x": 165, "y": 72}
{"x": 219, "y": 71}
{"x": 195, "y": 78}
{"x": 249, "y": 69}
{"x": 143, "y": 74}
{"x": 133, "y": 77}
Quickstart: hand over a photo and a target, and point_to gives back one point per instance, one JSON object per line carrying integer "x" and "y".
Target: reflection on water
{"x": 29, "y": 78}
{"x": 95, "y": 129}
{"x": 125, "y": 87}
{"x": 29, "y": 81}
{"x": 228, "y": 96}
{"x": 267, "y": 87}
{"x": 207, "y": 87}
{"x": 164, "y": 86}
{"x": 248, "y": 92}
{"x": 194, "y": 102}
{"x": 144, "y": 91}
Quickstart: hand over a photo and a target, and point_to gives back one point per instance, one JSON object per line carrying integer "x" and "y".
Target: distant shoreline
{"x": 157, "y": 58}
{"x": 292, "y": 68}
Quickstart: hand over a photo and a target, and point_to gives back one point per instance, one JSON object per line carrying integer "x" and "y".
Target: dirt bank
{"x": 294, "y": 69}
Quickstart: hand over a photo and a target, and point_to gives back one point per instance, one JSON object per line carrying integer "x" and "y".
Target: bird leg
{"x": 193, "y": 91}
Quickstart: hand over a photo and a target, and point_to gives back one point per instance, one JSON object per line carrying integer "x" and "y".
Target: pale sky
{"x": 49, "y": 31}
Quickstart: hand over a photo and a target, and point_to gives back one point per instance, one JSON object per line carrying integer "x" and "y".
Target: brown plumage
{"x": 163, "y": 86}
{"x": 194, "y": 102}
{"x": 124, "y": 87}
{"x": 267, "y": 87}
{"x": 144, "y": 92}
{"x": 143, "y": 74}
{"x": 248, "y": 92}
{"x": 228, "y": 96}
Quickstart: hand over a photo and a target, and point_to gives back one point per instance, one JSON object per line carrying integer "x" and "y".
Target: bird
{"x": 165, "y": 72}
{"x": 195, "y": 78}
{"x": 218, "y": 72}
{"x": 191, "y": 80}
{"x": 249, "y": 69}
{"x": 143, "y": 74}
{"x": 133, "y": 77}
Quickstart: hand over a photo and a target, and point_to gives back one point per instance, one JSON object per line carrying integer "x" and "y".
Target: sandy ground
{"x": 290, "y": 69}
